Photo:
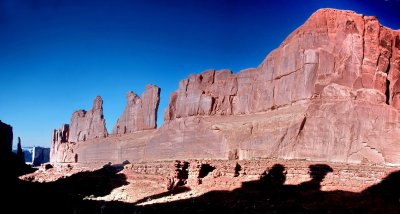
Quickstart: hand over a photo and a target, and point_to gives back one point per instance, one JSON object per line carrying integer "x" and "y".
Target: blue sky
{"x": 56, "y": 55}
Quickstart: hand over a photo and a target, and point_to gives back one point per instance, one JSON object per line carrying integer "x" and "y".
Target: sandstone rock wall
{"x": 139, "y": 113}
{"x": 340, "y": 66}
{"x": 333, "y": 46}
{"x": 329, "y": 92}
{"x": 86, "y": 125}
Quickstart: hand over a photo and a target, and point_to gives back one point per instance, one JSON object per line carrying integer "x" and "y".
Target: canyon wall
{"x": 329, "y": 92}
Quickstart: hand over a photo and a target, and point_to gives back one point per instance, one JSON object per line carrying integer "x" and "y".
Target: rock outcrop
{"x": 61, "y": 149}
{"x": 86, "y": 125}
{"x": 140, "y": 113}
{"x": 329, "y": 92}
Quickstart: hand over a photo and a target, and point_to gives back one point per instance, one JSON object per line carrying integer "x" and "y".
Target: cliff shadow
{"x": 66, "y": 195}
{"x": 269, "y": 194}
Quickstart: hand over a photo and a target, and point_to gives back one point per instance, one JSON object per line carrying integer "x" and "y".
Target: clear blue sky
{"x": 56, "y": 55}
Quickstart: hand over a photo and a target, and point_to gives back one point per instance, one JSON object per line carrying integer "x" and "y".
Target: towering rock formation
{"x": 20, "y": 153}
{"x": 88, "y": 125}
{"x": 329, "y": 92}
{"x": 139, "y": 113}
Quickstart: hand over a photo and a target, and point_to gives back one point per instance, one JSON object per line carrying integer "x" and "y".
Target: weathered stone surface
{"x": 61, "y": 149}
{"x": 88, "y": 125}
{"x": 329, "y": 92}
{"x": 139, "y": 113}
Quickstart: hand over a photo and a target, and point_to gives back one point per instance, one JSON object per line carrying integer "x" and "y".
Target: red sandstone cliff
{"x": 329, "y": 92}
{"x": 139, "y": 113}
{"x": 86, "y": 125}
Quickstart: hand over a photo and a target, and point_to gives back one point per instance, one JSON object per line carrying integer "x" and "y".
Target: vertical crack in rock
{"x": 303, "y": 122}
{"x": 387, "y": 92}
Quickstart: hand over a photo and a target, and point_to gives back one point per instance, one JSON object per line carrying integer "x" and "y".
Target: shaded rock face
{"x": 13, "y": 166}
{"x": 329, "y": 92}
{"x": 6, "y": 138}
{"x": 88, "y": 125}
{"x": 40, "y": 155}
{"x": 140, "y": 112}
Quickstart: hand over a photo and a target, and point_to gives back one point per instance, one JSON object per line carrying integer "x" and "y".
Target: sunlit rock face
{"x": 86, "y": 125}
{"x": 140, "y": 112}
{"x": 329, "y": 92}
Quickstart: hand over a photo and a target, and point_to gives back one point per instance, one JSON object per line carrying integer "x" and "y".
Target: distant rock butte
{"x": 329, "y": 92}
{"x": 40, "y": 155}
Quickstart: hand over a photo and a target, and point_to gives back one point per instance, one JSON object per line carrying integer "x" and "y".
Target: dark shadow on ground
{"x": 270, "y": 195}
{"x": 175, "y": 191}
{"x": 267, "y": 195}
{"x": 64, "y": 195}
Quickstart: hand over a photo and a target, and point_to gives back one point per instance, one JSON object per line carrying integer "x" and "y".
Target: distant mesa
{"x": 329, "y": 92}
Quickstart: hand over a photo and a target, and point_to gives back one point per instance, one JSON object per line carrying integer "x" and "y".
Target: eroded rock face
{"x": 61, "y": 149}
{"x": 86, "y": 125}
{"x": 140, "y": 112}
{"x": 329, "y": 92}
{"x": 333, "y": 46}
{"x": 340, "y": 68}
